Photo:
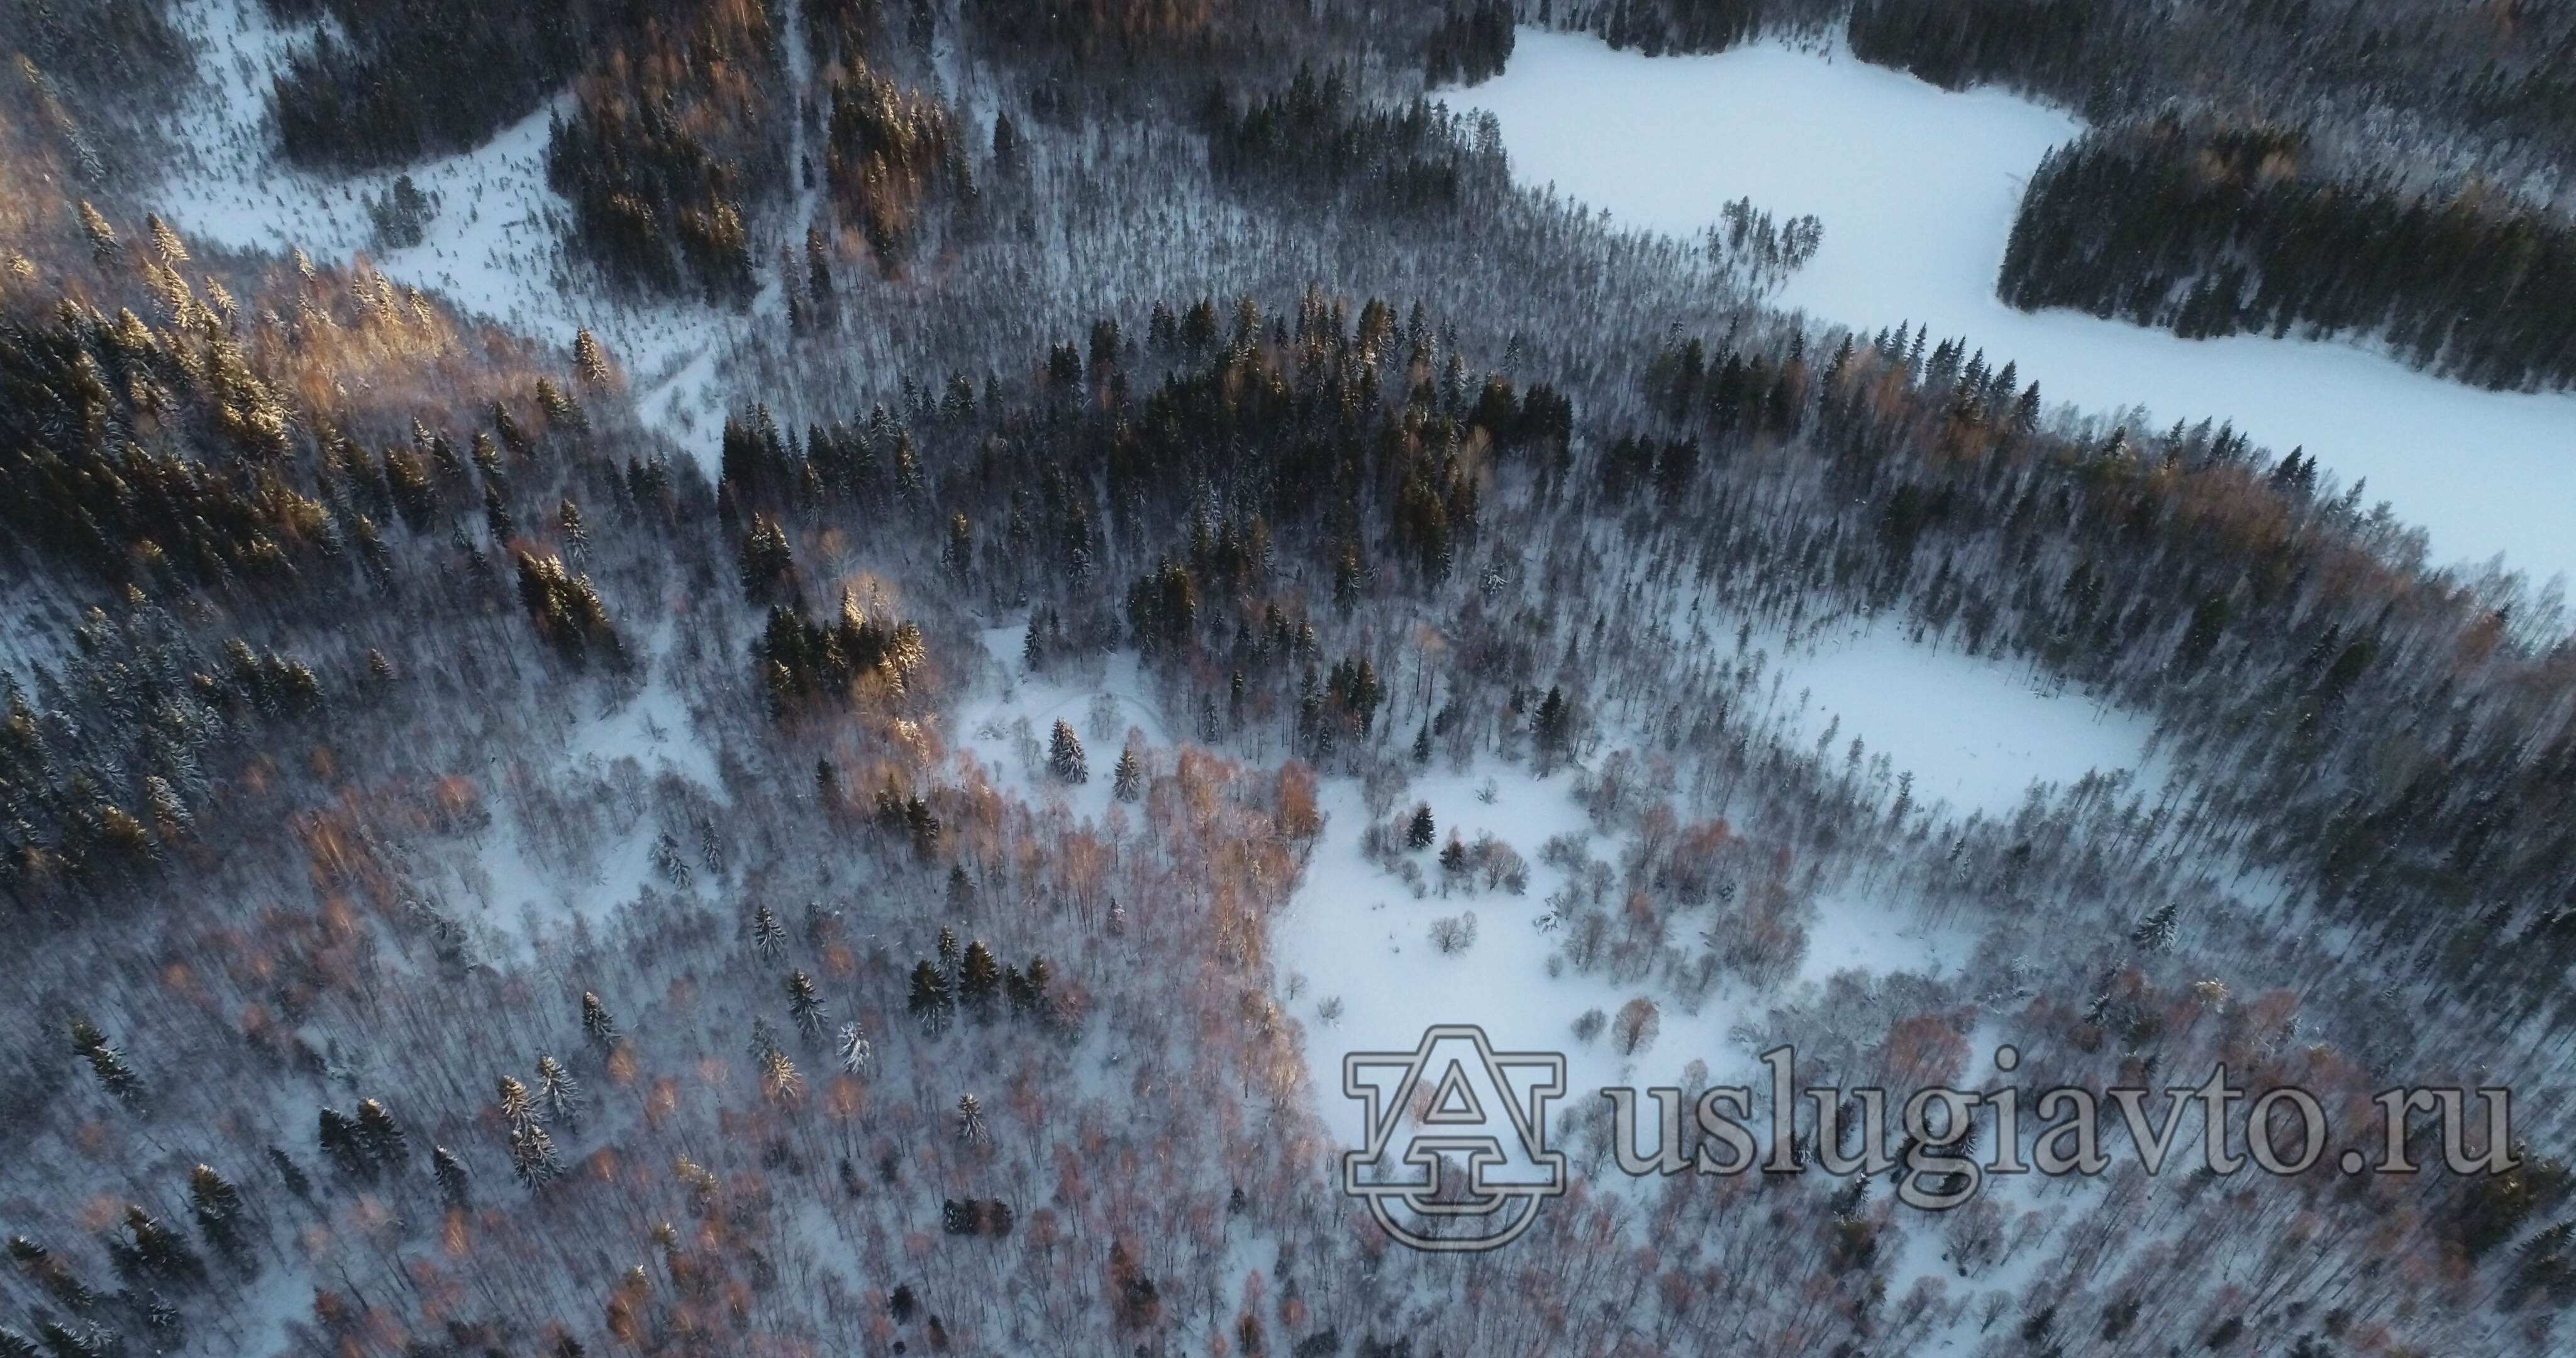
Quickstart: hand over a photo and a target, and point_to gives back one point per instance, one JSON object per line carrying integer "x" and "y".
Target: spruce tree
{"x": 1040, "y": 1006}
{"x": 1127, "y": 781}
{"x": 767, "y": 934}
{"x": 979, "y": 980}
{"x": 63, "y": 1342}
{"x": 2156, "y": 933}
{"x": 379, "y": 1135}
{"x": 589, "y": 363}
{"x": 1420, "y": 831}
{"x": 52, "y": 1274}
{"x": 106, "y": 1062}
{"x": 558, "y": 1093}
{"x": 764, "y": 1039}
{"x": 765, "y": 557}
{"x": 1064, "y": 756}
{"x": 290, "y": 1173}
{"x": 597, "y": 1025}
{"x": 102, "y": 237}
{"x": 931, "y": 1004}
{"x": 921, "y": 826}
{"x": 1553, "y": 728}
{"x": 167, "y": 1329}
{"x": 454, "y": 1188}
{"x": 513, "y": 1099}
{"x": 532, "y": 1156}
{"x": 217, "y": 1206}
{"x": 339, "y": 1140}
{"x": 804, "y": 1006}
{"x": 153, "y": 1250}
{"x": 576, "y": 532}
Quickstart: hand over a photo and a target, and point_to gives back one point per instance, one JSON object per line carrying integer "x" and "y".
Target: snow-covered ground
{"x": 1006, "y": 729}
{"x": 1916, "y": 187}
{"x": 1373, "y": 980}
{"x": 1974, "y": 732}
{"x": 494, "y": 248}
{"x": 35, "y": 629}
{"x": 521, "y": 881}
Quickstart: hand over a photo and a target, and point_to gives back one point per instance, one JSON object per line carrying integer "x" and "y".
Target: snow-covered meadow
{"x": 1916, "y": 187}
{"x": 1367, "y": 976}
{"x": 1363, "y": 972}
{"x": 1974, "y": 731}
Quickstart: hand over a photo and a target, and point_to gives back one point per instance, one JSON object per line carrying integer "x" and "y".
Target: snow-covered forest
{"x": 786, "y": 676}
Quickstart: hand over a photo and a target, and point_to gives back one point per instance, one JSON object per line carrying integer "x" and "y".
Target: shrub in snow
{"x": 1637, "y": 1026}
{"x": 1589, "y": 1026}
{"x": 1381, "y": 784}
{"x": 1496, "y": 863}
{"x": 1454, "y": 934}
{"x": 1570, "y": 851}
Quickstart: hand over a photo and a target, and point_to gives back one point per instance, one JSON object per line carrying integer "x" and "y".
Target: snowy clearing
{"x": 1917, "y": 187}
{"x": 1006, "y": 729}
{"x": 538, "y": 867}
{"x": 1361, "y": 939}
{"x": 1974, "y": 732}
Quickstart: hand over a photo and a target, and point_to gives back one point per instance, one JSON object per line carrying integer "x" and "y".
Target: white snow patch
{"x": 1974, "y": 731}
{"x": 1007, "y": 728}
{"x": 36, "y": 625}
{"x": 526, "y": 885}
{"x": 1877, "y": 938}
{"x": 1917, "y": 187}
{"x": 654, "y": 729}
{"x": 1357, "y": 935}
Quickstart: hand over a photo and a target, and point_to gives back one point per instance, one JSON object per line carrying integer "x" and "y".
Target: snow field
{"x": 1917, "y": 188}
{"x": 1974, "y": 731}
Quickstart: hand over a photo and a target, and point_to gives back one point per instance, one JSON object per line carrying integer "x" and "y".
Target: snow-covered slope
{"x": 494, "y": 248}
